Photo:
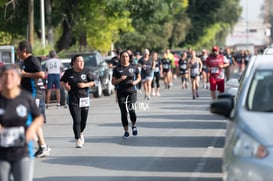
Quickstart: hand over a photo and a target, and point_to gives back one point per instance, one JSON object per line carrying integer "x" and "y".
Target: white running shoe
{"x": 79, "y": 143}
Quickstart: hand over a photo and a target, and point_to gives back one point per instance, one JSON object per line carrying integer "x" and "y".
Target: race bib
{"x": 165, "y": 66}
{"x": 156, "y": 69}
{"x": 214, "y": 70}
{"x": 184, "y": 66}
{"x": 84, "y": 102}
{"x": 12, "y": 137}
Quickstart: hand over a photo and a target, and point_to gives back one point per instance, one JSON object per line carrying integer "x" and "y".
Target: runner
{"x": 125, "y": 77}
{"x": 166, "y": 69}
{"x": 183, "y": 70}
{"x": 216, "y": 64}
{"x": 157, "y": 74}
{"x": 195, "y": 67}
{"x": 204, "y": 71}
{"x": 20, "y": 119}
{"x": 147, "y": 66}
{"x": 77, "y": 82}
{"x": 32, "y": 81}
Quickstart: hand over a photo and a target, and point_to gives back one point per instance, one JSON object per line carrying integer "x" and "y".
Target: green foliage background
{"x": 132, "y": 24}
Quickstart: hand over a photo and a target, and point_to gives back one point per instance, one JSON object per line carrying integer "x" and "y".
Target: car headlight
{"x": 246, "y": 146}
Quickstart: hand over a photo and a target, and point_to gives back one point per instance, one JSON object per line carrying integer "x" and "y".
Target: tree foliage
{"x": 133, "y": 24}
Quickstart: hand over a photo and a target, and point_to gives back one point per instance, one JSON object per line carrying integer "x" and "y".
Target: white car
{"x": 248, "y": 151}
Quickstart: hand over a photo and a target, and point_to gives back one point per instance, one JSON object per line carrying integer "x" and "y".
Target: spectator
{"x": 54, "y": 68}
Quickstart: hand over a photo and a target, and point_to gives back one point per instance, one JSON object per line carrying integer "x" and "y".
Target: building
{"x": 253, "y": 30}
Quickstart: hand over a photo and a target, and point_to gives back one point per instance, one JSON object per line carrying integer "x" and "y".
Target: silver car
{"x": 248, "y": 152}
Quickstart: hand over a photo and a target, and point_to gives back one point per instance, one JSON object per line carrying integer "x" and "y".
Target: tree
{"x": 210, "y": 19}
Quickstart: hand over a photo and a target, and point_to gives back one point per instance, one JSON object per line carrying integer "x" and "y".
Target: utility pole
{"x": 42, "y": 5}
{"x": 31, "y": 21}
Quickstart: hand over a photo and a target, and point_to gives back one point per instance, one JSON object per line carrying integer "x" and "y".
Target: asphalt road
{"x": 179, "y": 140}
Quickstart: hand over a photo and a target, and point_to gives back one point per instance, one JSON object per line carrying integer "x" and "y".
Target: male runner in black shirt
{"x": 32, "y": 76}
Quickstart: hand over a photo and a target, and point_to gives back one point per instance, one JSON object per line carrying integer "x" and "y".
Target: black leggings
{"x": 79, "y": 116}
{"x": 156, "y": 80}
{"x": 126, "y": 104}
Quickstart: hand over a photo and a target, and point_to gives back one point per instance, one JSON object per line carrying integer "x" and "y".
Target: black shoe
{"x": 193, "y": 97}
{"x": 126, "y": 135}
{"x": 42, "y": 152}
{"x": 197, "y": 95}
{"x": 134, "y": 130}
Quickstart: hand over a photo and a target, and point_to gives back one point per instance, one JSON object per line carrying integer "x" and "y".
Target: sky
{"x": 251, "y": 9}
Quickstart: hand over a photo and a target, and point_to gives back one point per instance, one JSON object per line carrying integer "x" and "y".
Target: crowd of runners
{"x": 209, "y": 68}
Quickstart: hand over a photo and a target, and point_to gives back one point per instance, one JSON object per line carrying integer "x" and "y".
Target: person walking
{"x": 32, "y": 81}
{"x": 194, "y": 68}
{"x": 126, "y": 76}
{"x": 20, "y": 119}
{"x": 216, "y": 63}
{"x": 54, "y": 68}
{"x": 77, "y": 81}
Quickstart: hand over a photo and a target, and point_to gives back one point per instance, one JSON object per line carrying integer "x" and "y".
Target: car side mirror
{"x": 222, "y": 106}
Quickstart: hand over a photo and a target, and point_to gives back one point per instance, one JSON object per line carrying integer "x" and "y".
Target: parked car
{"x": 100, "y": 70}
{"x": 248, "y": 151}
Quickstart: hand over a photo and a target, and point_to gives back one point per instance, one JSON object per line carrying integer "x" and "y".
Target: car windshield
{"x": 260, "y": 95}
{"x": 90, "y": 60}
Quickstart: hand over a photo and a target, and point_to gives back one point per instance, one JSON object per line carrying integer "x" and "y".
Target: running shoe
{"x": 79, "y": 143}
{"x": 126, "y": 135}
{"x": 42, "y": 151}
{"x": 134, "y": 130}
{"x": 58, "y": 106}
{"x": 82, "y": 138}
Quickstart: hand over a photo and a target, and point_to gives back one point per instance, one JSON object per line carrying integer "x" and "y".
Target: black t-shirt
{"x": 166, "y": 64}
{"x": 73, "y": 78}
{"x": 34, "y": 86}
{"x": 15, "y": 113}
{"x": 132, "y": 72}
{"x": 157, "y": 65}
{"x": 147, "y": 69}
{"x": 115, "y": 61}
{"x": 183, "y": 64}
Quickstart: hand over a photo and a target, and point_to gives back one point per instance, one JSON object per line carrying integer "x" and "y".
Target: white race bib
{"x": 84, "y": 102}
{"x": 12, "y": 137}
{"x": 214, "y": 70}
{"x": 183, "y": 66}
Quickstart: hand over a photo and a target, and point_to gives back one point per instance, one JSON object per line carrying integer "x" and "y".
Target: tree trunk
{"x": 66, "y": 39}
{"x": 48, "y": 9}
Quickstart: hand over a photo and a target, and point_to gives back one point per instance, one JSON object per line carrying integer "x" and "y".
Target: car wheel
{"x": 108, "y": 90}
{"x": 98, "y": 90}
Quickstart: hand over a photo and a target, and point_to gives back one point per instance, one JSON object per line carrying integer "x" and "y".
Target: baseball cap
{"x": 215, "y": 48}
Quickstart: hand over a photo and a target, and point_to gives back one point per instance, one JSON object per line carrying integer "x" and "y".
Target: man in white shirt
{"x": 54, "y": 67}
